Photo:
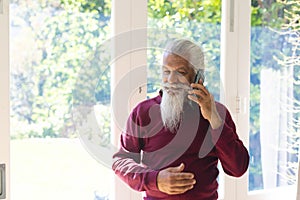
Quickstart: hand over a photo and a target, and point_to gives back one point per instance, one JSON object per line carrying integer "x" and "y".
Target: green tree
{"x": 63, "y": 43}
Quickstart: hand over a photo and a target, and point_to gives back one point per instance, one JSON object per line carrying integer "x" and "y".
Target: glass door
{"x": 274, "y": 95}
{"x": 51, "y": 42}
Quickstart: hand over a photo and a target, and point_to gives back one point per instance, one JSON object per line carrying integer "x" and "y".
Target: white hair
{"x": 188, "y": 50}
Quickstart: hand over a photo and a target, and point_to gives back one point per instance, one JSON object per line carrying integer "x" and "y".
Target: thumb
{"x": 177, "y": 169}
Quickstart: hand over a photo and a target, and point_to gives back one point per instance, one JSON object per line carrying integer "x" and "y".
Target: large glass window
{"x": 54, "y": 51}
{"x": 274, "y": 101}
{"x": 51, "y": 43}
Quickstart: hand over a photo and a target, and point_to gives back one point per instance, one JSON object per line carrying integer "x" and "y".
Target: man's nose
{"x": 173, "y": 78}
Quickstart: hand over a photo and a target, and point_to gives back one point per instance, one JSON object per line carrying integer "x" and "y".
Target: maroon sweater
{"x": 147, "y": 147}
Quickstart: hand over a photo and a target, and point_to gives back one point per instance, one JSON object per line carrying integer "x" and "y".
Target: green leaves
{"x": 186, "y": 10}
{"x": 63, "y": 43}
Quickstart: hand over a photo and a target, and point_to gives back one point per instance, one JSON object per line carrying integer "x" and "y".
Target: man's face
{"x": 176, "y": 70}
{"x": 177, "y": 76}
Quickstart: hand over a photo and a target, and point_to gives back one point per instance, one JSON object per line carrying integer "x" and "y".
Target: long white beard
{"x": 172, "y": 104}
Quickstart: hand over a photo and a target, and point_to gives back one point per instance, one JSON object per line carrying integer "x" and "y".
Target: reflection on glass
{"x": 274, "y": 102}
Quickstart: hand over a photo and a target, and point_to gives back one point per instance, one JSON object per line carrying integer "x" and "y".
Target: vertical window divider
{"x": 129, "y": 23}
{"x": 243, "y": 83}
{"x": 4, "y": 99}
{"x": 235, "y": 48}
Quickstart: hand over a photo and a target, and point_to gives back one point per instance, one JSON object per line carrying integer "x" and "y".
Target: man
{"x": 172, "y": 143}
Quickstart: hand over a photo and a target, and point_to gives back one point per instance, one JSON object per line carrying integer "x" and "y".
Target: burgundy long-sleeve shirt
{"x": 147, "y": 147}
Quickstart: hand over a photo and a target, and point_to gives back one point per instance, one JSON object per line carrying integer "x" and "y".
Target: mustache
{"x": 176, "y": 86}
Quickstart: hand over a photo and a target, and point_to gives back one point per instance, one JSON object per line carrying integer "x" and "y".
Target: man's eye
{"x": 166, "y": 72}
{"x": 182, "y": 73}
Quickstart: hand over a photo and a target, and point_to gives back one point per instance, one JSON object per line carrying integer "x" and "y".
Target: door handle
{"x": 2, "y": 182}
{"x": 1, "y": 7}
{"x": 231, "y": 16}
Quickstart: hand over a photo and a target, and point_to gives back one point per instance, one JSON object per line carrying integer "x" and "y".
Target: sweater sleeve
{"x": 127, "y": 161}
{"x": 231, "y": 151}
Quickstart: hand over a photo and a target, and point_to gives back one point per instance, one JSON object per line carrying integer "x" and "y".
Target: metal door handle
{"x": 2, "y": 182}
{"x": 1, "y": 6}
{"x": 231, "y": 16}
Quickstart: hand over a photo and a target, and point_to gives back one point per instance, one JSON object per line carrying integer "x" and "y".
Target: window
{"x": 272, "y": 109}
{"x": 55, "y": 41}
{"x": 51, "y": 42}
{"x": 274, "y": 95}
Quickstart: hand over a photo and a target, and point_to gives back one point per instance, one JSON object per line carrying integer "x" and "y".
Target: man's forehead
{"x": 174, "y": 60}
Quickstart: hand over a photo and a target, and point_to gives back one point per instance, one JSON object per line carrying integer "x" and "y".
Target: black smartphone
{"x": 199, "y": 75}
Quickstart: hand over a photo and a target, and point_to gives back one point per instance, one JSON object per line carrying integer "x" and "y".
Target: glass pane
{"x": 52, "y": 44}
{"x": 274, "y": 102}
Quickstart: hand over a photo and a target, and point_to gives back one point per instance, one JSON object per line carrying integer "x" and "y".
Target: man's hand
{"x": 207, "y": 104}
{"x": 174, "y": 181}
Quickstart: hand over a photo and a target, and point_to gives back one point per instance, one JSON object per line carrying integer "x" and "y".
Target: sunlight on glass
{"x": 274, "y": 103}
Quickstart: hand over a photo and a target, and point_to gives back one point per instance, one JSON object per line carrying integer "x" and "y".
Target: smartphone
{"x": 199, "y": 75}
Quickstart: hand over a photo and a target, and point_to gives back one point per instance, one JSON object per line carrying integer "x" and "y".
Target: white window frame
{"x": 128, "y": 15}
{"x": 4, "y": 95}
{"x": 238, "y": 60}
{"x": 231, "y": 41}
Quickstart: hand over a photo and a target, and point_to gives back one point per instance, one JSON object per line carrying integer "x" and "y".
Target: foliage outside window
{"x": 274, "y": 25}
{"x": 54, "y": 40}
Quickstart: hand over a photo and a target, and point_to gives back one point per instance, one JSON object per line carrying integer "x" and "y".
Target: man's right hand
{"x": 173, "y": 180}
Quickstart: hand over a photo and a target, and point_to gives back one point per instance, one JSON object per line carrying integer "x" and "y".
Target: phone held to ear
{"x": 199, "y": 76}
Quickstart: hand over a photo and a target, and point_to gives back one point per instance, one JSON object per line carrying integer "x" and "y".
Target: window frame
{"x": 4, "y": 96}
{"x": 128, "y": 16}
{"x": 235, "y": 55}
{"x": 242, "y": 63}
{"x": 235, "y": 72}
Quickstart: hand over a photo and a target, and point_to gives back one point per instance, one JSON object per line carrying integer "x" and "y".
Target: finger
{"x": 181, "y": 176}
{"x": 197, "y": 99}
{"x": 200, "y": 87}
{"x": 179, "y": 168}
{"x": 180, "y": 190}
{"x": 198, "y": 93}
{"x": 194, "y": 98}
{"x": 183, "y": 182}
